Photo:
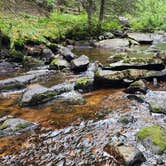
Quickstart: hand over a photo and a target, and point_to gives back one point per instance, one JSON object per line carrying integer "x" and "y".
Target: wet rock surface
{"x": 10, "y": 125}
{"x": 113, "y": 43}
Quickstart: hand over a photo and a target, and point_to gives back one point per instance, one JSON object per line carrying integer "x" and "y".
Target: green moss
{"x": 83, "y": 81}
{"x": 21, "y": 126}
{"x": 15, "y": 85}
{"x": 157, "y": 135}
{"x": 97, "y": 73}
{"x": 3, "y": 126}
{"x": 54, "y": 61}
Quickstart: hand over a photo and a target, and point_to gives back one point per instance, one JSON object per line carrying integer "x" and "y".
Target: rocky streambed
{"x": 106, "y": 107}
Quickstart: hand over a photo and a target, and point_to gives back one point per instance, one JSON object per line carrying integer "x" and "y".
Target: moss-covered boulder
{"x": 153, "y": 138}
{"x": 84, "y": 84}
{"x": 138, "y": 63}
{"x": 36, "y": 95}
{"x": 137, "y": 87}
{"x": 59, "y": 64}
{"x": 10, "y": 125}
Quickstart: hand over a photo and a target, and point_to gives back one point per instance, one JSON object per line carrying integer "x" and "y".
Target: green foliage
{"x": 150, "y": 15}
{"x": 40, "y": 29}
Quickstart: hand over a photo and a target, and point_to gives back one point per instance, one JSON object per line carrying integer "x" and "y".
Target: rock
{"x": 59, "y": 64}
{"x": 80, "y": 64}
{"x": 156, "y": 101}
{"x": 113, "y": 43}
{"x": 10, "y": 125}
{"x": 47, "y": 55}
{"x": 67, "y": 54}
{"x": 137, "y": 87}
{"x": 153, "y": 138}
{"x": 138, "y": 63}
{"x": 106, "y": 35}
{"x": 20, "y": 82}
{"x": 84, "y": 84}
{"x": 126, "y": 119}
{"x": 62, "y": 88}
{"x": 131, "y": 155}
{"x": 121, "y": 78}
{"x": 36, "y": 95}
{"x": 6, "y": 68}
{"x": 142, "y": 38}
{"x": 126, "y": 155}
{"x": 72, "y": 98}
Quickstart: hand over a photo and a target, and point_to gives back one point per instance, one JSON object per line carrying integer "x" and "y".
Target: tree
{"x": 101, "y": 13}
{"x": 89, "y": 6}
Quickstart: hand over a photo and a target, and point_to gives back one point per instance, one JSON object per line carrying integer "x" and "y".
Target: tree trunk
{"x": 101, "y": 14}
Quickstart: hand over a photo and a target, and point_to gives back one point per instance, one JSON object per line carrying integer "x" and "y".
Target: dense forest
{"x": 82, "y": 83}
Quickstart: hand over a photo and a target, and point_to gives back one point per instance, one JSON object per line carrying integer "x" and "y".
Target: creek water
{"x": 100, "y": 104}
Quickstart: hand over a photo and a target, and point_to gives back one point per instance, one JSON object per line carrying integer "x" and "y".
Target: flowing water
{"x": 100, "y": 104}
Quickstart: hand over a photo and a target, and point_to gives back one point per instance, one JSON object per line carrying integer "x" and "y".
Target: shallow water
{"x": 100, "y": 104}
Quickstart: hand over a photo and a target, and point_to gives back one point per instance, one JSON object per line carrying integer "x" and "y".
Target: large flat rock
{"x": 113, "y": 43}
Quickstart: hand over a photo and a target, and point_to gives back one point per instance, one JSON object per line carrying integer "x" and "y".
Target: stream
{"x": 78, "y": 134}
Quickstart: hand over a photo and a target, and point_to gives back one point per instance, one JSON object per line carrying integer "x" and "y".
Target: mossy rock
{"x": 15, "y": 86}
{"x": 21, "y": 126}
{"x": 153, "y": 137}
{"x": 84, "y": 83}
{"x": 157, "y": 107}
{"x": 59, "y": 64}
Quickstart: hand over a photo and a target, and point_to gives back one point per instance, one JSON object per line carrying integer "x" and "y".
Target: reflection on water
{"x": 102, "y": 54}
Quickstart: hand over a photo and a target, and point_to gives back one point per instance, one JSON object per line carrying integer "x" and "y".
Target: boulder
{"x": 47, "y": 55}
{"x": 62, "y": 88}
{"x": 138, "y": 63}
{"x": 67, "y": 54}
{"x": 113, "y": 43}
{"x": 80, "y": 64}
{"x": 118, "y": 78}
{"x": 72, "y": 98}
{"x": 6, "y": 68}
{"x": 153, "y": 138}
{"x": 137, "y": 87}
{"x": 126, "y": 155}
{"x": 156, "y": 101}
{"x": 36, "y": 95}
{"x": 20, "y": 82}
{"x": 84, "y": 84}
{"x": 59, "y": 64}
{"x": 10, "y": 125}
{"x": 142, "y": 38}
